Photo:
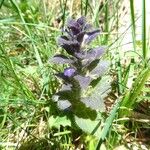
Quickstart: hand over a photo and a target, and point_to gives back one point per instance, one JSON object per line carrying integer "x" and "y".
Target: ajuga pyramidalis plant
{"x": 83, "y": 88}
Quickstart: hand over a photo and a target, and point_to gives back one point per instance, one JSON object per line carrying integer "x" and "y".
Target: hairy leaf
{"x": 90, "y": 126}
{"x": 83, "y": 81}
{"x": 66, "y": 87}
{"x": 61, "y": 59}
{"x": 92, "y": 55}
{"x": 80, "y": 110}
{"x": 96, "y": 103}
{"x": 58, "y": 121}
{"x": 66, "y": 94}
{"x": 80, "y": 37}
{"x": 64, "y": 105}
{"x": 100, "y": 69}
{"x": 95, "y": 97}
{"x": 71, "y": 46}
{"x": 82, "y": 21}
{"x": 92, "y": 65}
{"x": 74, "y": 26}
{"x": 102, "y": 88}
{"x": 87, "y": 27}
{"x": 95, "y": 53}
{"x": 89, "y": 36}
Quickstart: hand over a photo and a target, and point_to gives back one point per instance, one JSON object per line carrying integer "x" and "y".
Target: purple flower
{"x": 69, "y": 72}
{"x": 84, "y": 71}
{"x": 77, "y": 34}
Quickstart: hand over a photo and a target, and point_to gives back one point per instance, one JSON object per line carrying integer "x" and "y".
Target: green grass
{"x": 28, "y": 38}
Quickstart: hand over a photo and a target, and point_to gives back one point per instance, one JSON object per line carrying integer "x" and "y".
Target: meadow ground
{"x": 29, "y": 119}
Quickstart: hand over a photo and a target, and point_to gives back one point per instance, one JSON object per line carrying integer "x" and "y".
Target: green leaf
{"x": 89, "y": 126}
{"x": 98, "y": 93}
{"x": 58, "y": 121}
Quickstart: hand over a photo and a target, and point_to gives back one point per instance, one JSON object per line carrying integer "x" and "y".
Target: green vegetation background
{"x": 28, "y": 38}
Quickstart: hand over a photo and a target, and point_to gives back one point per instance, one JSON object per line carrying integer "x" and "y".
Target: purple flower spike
{"x": 74, "y": 26}
{"x": 69, "y": 72}
{"x": 79, "y": 93}
{"x": 82, "y": 21}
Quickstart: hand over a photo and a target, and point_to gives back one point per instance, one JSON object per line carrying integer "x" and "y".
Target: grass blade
{"x": 129, "y": 99}
{"x": 108, "y": 124}
{"x": 144, "y": 30}
{"x": 37, "y": 55}
{"x": 63, "y": 6}
{"x": 86, "y": 7}
{"x": 1, "y": 3}
{"x": 133, "y": 23}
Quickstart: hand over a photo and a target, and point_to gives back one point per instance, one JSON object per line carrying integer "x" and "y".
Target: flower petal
{"x": 69, "y": 72}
